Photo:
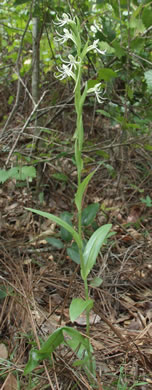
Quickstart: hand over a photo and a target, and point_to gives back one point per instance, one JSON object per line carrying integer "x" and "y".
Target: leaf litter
{"x": 39, "y": 281}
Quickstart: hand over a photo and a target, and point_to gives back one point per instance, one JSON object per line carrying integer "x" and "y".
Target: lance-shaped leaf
{"x": 53, "y": 341}
{"x": 47, "y": 348}
{"x": 60, "y": 222}
{"x": 93, "y": 247}
{"x": 81, "y": 189}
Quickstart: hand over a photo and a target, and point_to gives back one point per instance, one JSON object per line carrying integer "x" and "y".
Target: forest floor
{"x": 38, "y": 281}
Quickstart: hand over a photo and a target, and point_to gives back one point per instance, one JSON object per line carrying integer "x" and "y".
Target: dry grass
{"x": 40, "y": 281}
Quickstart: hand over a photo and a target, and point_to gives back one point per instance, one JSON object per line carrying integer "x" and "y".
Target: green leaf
{"x": 18, "y": 2}
{"x": 148, "y": 147}
{"x": 147, "y": 201}
{"x": 65, "y": 234}
{"x": 79, "y": 344}
{"x": 77, "y": 307}
{"x": 73, "y": 253}
{"x": 103, "y": 154}
{"x": 93, "y": 247}
{"x": 32, "y": 362}
{"x": 25, "y": 172}
{"x": 96, "y": 282}
{"x": 54, "y": 340}
{"x": 3, "y": 292}
{"x": 106, "y": 74}
{"x": 148, "y": 78}
{"x": 104, "y": 113}
{"x": 10, "y": 100}
{"x": 89, "y": 213}
{"x": 48, "y": 347}
{"x": 4, "y": 175}
{"x": 81, "y": 189}
{"x": 60, "y": 222}
{"x": 18, "y": 173}
{"x": 60, "y": 177}
{"x": 56, "y": 242}
{"x": 119, "y": 51}
{"x": 147, "y": 17}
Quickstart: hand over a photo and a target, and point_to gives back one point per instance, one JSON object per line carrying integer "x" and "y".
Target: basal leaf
{"x": 48, "y": 347}
{"x": 53, "y": 341}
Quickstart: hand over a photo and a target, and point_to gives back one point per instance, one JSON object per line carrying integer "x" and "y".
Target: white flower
{"x": 95, "y": 47}
{"x": 65, "y": 20}
{"x": 97, "y": 90}
{"x": 65, "y": 36}
{"x": 65, "y": 71}
{"x": 72, "y": 63}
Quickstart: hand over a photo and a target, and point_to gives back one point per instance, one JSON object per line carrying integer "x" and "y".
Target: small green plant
{"x": 147, "y": 201}
{"x": 19, "y": 173}
{"x": 87, "y": 251}
{"x": 121, "y": 385}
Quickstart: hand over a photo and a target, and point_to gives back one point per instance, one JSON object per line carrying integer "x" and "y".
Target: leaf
{"x": 103, "y": 154}
{"x": 77, "y": 307}
{"x": 80, "y": 344}
{"x": 25, "y": 172}
{"x": 93, "y": 247}
{"x": 119, "y": 51}
{"x": 60, "y": 222}
{"x": 18, "y": 173}
{"x": 60, "y": 177}
{"x": 148, "y": 147}
{"x": 4, "y": 175}
{"x": 18, "y": 2}
{"x": 81, "y": 189}
{"x": 104, "y": 113}
{"x": 89, "y": 213}
{"x": 65, "y": 234}
{"x": 54, "y": 340}
{"x": 73, "y": 253}
{"x": 148, "y": 78}
{"x": 147, "y": 16}
{"x": 147, "y": 201}
{"x": 48, "y": 347}
{"x": 56, "y": 242}
{"x": 3, "y": 292}
{"x": 96, "y": 282}
{"x": 106, "y": 74}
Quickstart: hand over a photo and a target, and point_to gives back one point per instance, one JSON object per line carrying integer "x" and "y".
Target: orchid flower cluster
{"x": 72, "y": 67}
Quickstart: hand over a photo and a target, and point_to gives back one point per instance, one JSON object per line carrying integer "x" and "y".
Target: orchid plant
{"x": 73, "y": 68}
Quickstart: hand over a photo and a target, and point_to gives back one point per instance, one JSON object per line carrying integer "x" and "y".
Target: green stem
{"x": 78, "y": 156}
